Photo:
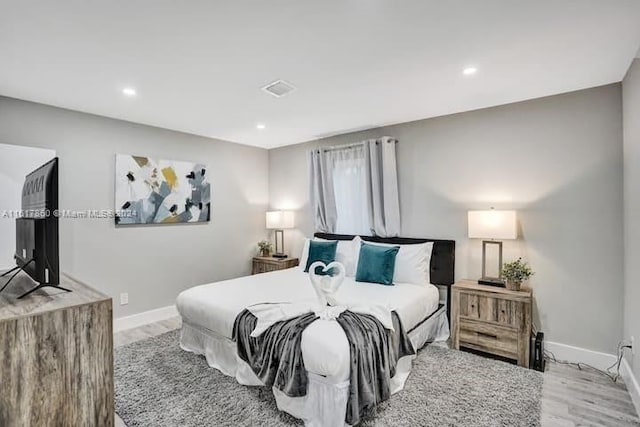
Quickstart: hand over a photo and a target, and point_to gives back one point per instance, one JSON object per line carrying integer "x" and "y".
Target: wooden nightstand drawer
{"x": 491, "y": 320}
{"x": 490, "y": 309}
{"x": 499, "y": 340}
{"x": 266, "y": 264}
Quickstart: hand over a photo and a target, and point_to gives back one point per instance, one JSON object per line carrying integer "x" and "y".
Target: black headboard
{"x": 443, "y": 256}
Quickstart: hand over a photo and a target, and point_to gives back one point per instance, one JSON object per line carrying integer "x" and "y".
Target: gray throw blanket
{"x": 276, "y": 356}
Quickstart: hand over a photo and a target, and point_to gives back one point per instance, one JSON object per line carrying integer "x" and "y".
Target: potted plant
{"x": 265, "y": 247}
{"x": 515, "y": 273}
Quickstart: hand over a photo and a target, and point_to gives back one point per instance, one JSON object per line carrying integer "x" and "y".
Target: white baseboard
{"x": 632, "y": 384}
{"x": 146, "y": 317}
{"x": 570, "y": 353}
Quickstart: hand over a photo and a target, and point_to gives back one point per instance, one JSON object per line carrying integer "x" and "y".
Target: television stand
{"x": 14, "y": 274}
{"x": 43, "y": 285}
{"x": 45, "y": 345}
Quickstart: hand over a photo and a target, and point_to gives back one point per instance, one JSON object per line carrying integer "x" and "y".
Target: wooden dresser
{"x": 263, "y": 264}
{"x": 56, "y": 356}
{"x": 492, "y": 320}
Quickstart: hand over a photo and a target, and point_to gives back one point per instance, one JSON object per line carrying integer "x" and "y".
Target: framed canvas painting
{"x": 150, "y": 191}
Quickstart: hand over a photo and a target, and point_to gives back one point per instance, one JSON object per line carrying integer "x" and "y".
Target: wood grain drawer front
{"x": 264, "y": 265}
{"x": 490, "y": 309}
{"x": 485, "y": 337}
{"x": 270, "y": 267}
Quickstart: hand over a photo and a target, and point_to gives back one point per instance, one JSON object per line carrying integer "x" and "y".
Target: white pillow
{"x": 304, "y": 256}
{"x": 413, "y": 262}
{"x": 345, "y": 254}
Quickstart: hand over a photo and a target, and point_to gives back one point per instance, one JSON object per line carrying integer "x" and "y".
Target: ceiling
{"x": 197, "y": 66}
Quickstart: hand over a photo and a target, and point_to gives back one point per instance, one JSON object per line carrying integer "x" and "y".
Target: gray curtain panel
{"x": 383, "y": 203}
{"x": 323, "y": 201}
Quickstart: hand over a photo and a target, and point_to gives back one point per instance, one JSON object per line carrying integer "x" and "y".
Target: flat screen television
{"x": 37, "y": 250}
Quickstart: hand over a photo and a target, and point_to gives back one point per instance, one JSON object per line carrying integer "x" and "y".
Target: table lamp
{"x": 495, "y": 225}
{"x": 278, "y": 221}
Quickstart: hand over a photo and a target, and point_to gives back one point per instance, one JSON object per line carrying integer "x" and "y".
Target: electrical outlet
{"x": 124, "y": 299}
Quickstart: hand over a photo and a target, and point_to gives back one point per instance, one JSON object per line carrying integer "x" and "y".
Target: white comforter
{"x": 324, "y": 346}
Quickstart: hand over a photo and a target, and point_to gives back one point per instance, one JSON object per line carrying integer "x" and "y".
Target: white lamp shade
{"x": 279, "y": 219}
{"x": 492, "y": 224}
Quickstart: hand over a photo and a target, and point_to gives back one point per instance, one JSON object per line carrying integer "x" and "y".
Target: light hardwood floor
{"x": 570, "y": 397}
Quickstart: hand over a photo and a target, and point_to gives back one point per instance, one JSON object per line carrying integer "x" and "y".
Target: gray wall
{"x": 631, "y": 120}
{"x": 557, "y": 160}
{"x": 152, "y": 263}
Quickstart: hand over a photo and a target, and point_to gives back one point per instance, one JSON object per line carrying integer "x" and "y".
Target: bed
{"x": 209, "y": 311}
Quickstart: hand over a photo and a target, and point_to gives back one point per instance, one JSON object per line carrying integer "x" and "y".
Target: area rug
{"x": 159, "y": 384}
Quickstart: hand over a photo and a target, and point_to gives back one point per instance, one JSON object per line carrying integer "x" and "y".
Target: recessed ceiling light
{"x": 261, "y": 126}
{"x": 129, "y": 91}
{"x": 469, "y": 71}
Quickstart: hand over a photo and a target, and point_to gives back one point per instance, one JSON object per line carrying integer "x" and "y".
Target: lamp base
{"x": 280, "y": 256}
{"x": 490, "y": 281}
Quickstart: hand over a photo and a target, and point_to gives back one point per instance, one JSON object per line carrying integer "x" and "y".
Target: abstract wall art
{"x": 152, "y": 191}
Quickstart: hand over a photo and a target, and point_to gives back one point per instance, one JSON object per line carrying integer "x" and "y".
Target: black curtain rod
{"x": 350, "y": 146}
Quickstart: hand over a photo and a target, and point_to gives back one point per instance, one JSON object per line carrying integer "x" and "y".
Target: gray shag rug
{"x": 159, "y": 384}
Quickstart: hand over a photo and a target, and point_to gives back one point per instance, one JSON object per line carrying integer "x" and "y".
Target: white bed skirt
{"x": 326, "y": 401}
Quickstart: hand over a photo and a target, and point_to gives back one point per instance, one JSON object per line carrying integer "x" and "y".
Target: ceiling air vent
{"x": 279, "y": 88}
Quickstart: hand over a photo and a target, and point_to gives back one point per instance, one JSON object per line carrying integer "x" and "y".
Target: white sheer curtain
{"x": 354, "y": 188}
{"x": 350, "y": 190}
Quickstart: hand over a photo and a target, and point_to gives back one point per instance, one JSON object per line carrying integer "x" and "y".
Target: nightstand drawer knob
{"x": 484, "y": 334}
{"x": 503, "y": 311}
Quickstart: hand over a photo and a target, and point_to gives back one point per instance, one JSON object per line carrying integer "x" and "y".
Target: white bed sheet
{"x": 325, "y": 348}
{"x": 216, "y": 305}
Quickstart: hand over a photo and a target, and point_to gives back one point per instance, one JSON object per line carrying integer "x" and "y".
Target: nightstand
{"x": 263, "y": 264}
{"x": 492, "y": 320}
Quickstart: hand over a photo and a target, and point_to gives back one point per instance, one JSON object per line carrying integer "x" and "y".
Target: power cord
{"x": 612, "y": 376}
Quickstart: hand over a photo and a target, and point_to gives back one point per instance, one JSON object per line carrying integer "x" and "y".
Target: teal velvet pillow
{"x": 377, "y": 264}
{"x": 321, "y": 251}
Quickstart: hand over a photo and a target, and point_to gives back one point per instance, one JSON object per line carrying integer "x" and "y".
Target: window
{"x": 350, "y": 190}
{"x": 354, "y": 188}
